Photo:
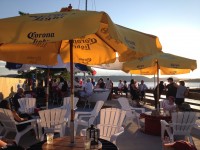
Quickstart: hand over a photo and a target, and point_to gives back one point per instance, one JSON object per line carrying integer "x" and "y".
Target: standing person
{"x": 170, "y": 88}
{"x": 142, "y": 88}
{"x": 125, "y": 88}
{"x": 161, "y": 89}
{"x": 182, "y": 91}
{"x": 18, "y": 95}
{"x": 19, "y": 85}
{"x": 77, "y": 87}
{"x": 131, "y": 88}
{"x": 120, "y": 87}
{"x": 93, "y": 81}
{"x": 109, "y": 85}
{"x": 134, "y": 92}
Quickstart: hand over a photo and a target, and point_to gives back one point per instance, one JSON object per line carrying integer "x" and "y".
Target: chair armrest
{"x": 28, "y": 121}
{"x": 77, "y": 113}
{"x": 163, "y": 122}
{"x": 84, "y": 116}
{"x": 140, "y": 109}
{"x": 113, "y": 138}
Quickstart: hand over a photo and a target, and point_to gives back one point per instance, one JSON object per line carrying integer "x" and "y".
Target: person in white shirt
{"x": 87, "y": 89}
{"x": 169, "y": 105}
{"x": 142, "y": 88}
{"x": 120, "y": 87}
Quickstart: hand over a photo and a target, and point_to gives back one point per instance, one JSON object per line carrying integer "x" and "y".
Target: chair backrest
{"x": 124, "y": 103}
{"x": 183, "y": 122}
{"x": 66, "y": 101}
{"x": 95, "y": 111}
{"x": 51, "y": 118}
{"x": 27, "y": 105}
{"x": 111, "y": 120}
{"x": 7, "y": 119}
{"x": 99, "y": 95}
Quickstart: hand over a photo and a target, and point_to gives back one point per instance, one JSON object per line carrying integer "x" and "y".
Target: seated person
{"x": 169, "y": 105}
{"x": 9, "y": 145}
{"x": 87, "y": 89}
{"x": 19, "y": 118}
{"x": 100, "y": 84}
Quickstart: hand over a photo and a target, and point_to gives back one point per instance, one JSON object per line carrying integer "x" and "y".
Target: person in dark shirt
{"x": 19, "y": 94}
{"x": 170, "y": 88}
{"x": 156, "y": 94}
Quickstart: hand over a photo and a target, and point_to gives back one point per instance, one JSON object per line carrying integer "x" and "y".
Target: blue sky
{"x": 175, "y": 22}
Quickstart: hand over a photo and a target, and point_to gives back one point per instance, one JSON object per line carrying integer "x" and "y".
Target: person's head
{"x": 108, "y": 79}
{"x": 142, "y": 81}
{"x": 120, "y": 81}
{"x": 124, "y": 81}
{"x": 5, "y": 104}
{"x": 161, "y": 82}
{"x": 88, "y": 80}
{"x": 182, "y": 83}
{"x": 170, "y": 80}
{"x": 132, "y": 81}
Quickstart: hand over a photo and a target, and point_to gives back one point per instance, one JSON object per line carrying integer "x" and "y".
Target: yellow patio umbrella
{"x": 85, "y": 37}
{"x": 40, "y": 37}
{"x": 168, "y": 64}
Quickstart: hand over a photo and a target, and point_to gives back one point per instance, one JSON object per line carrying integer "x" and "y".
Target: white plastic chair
{"x": 66, "y": 101}
{"x": 10, "y": 125}
{"x": 52, "y": 120}
{"x": 110, "y": 125}
{"x": 182, "y": 124}
{"x": 130, "y": 111}
{"x": 67, "y": 106}
{"x": 27, "y": 105}
{"x": 90, "y": 116}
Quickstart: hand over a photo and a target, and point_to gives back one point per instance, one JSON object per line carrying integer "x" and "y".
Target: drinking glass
{"x": 49, "y": 138}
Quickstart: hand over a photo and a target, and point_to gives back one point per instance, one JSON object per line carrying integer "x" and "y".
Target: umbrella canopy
{"x": 168, "y": 64}
{"x": 40, "y": 37}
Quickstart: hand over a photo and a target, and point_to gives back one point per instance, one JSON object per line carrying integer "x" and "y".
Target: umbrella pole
{"x": 72, "y": 93}
{"x": 158, "y": 90}
{"x": 47, "y": 90}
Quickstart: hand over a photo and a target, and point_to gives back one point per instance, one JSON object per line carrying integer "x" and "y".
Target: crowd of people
{"x": 175, "y": 94}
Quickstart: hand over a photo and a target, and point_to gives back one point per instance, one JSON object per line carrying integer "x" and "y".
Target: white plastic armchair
{"x": 10, "y": 125}
{"x": 110, "y": 125}
{"x": 80, "y": 116}
{"x": 52, "y": 120}
{"x": 66, "y": 102}
{"x": 67, "y": 106}
{"x": 27, "y": 105}
{"x": 182, "y": 124}
{"x": 130, "y": 111}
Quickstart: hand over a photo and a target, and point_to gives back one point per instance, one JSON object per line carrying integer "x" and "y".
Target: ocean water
{"x": 151, "y": 85}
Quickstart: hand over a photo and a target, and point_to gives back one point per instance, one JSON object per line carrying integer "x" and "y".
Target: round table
{"x": 63, "y": 143}
{"x": 152, "y": 123}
